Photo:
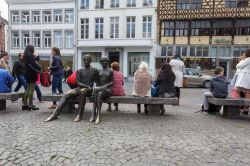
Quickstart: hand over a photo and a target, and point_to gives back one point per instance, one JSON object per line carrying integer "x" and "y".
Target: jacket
{"x": 243, "y": 78}
{"x": 31, "y": 68}
{"x": 142, "y": 83}
{"x": 18, "y": 68}
{"x": 56, "y": 65}
{"x": 166, "y": 83}
{"x": 6, "y": 80}
{"x": 178, "y": 68}
{"x": 117, "y": 87}
{"x": 219, "y": 87}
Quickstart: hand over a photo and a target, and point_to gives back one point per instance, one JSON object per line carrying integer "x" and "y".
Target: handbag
{"x": 45, "y": 78}
{"x": 155, "y": 89}
{"x": 71, "y": 80}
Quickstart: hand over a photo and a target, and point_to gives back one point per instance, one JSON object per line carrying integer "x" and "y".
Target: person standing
{"x": 178, "y": 68}
{"x": 56, "y": 70}
{"x": 32, "y": 68}
{"x": 4, "y": 61}
{"x": 18, "y": 72}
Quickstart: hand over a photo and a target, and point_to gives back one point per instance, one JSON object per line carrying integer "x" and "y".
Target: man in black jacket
{"x": 18, "y": 72}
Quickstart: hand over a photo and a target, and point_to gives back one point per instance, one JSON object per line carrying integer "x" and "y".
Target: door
{"x": 114, "y": 57}
{"x": 224, "y": 64}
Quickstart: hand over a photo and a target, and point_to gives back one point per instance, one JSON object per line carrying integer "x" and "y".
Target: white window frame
{"x": 84, "y": 4}
{"x": 84, "y": 28}
{"x": 25, "y": 39}
{"x": 47, "y": 39}
{"x": 58, "y": 17}
{"x": 147, "y": 3}
{"x": 15, "y": 39}
{"x": 99, "y": 4}
{"x": 130, "y": 33}
{"x": 36, "y": 17}
{"x": 99, "y": 31}
{"x": 36, "y": 39}
{"x": 47, "y": 17}
{"x": 114, "y": 27}
{"x": 15, "y": 17}
{"x": 114, "y": 3}
{"x": 69, "y": 17}
{"x": 58, "y": 42}
{"x": 148, "y": 24}
{"x": 25, "y": 17}
{"x": 69, "y": 40}
{"x": 131, "y": 3}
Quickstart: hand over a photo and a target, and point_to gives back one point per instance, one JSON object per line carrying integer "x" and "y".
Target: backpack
{"x": 45, "y": 79}
{"x": 71, "y": 80}
{"x": 155, "y": 89}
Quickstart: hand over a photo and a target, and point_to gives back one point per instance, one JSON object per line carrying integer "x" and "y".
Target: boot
{"x": 51, "y": 118}
{"x": 78, "y": 118}
{"x": 138, "y": 108}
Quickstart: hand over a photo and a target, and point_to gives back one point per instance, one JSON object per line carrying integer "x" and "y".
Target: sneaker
{"x": 204, "y": 112}
{"x": 24, "y": 107}
{"x": 32, "y": 108}
{"x": 52, "y": 106}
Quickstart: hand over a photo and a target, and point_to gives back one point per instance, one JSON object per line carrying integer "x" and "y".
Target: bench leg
{"x": 154, "y": 109}
{"x": 231, "y": 112}
{"x": 68, "y": 108}
{"x": 2, "y": 105}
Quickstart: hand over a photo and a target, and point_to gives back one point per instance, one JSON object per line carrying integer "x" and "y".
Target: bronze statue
{"x": 103, "y": 89}
{"x": 85, "y": 81}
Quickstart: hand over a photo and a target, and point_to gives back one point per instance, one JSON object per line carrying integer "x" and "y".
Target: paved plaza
{"x": 180, "y": 137}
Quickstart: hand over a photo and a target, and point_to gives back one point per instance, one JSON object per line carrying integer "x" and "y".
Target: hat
{"x": 104, "y": 58}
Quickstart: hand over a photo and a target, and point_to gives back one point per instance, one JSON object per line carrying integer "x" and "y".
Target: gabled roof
{"x": 3, "y": 21}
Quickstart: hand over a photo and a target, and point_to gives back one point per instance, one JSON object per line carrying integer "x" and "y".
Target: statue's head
{"x": 87, "y": 60}
{"x": 105, "y": 62}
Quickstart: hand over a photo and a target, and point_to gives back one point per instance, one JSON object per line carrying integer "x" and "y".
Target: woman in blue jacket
{"x": 6, "y": 80}
{"x": 56, "y": 70}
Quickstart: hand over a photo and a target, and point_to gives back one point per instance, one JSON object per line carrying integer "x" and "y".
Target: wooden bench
{"x": 231, "y": 106}
{"x": 8, "y": 96}
{"x": 153, "y": 102}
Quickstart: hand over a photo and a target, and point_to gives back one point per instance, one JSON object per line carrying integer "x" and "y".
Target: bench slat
{"x": 11, "y": 96}
{"x": 229, "y": 101}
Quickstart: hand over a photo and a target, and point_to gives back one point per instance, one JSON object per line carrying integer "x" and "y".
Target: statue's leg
{"x": 62, "y": 103}
{"x": 93, "y": 114}
{"x": 83, "y": 93}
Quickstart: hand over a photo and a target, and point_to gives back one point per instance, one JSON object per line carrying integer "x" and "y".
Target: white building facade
{"x": 123, "y": 30}
{"x": 44, "y": 24}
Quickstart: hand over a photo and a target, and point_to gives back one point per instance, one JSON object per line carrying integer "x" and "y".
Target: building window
{"x": 181, "y": 28}
{"x": 47, "y": 16}
{"x": 47, "y": 39}
{"x": 37, "y": 39}
{"x": 242, "y": 27}
{"x": 69, "y": 16}
{"x": 58, "y": 16}
{"x": 130, "y": 27}
{"x": 15, "y": 40}
{"x": 25, "y": 17}
{"x": 36, "y": 17}
{"x": 131, "y": 3}
{"x": 84, "y": 4}
{"x": 135, "y": 59}
{"x": 167, "y": 28}
{"x": 69, "y": 39}
{"x": 222, "y": 28}
{"x": 15, "y": 17}
{"x": 147, "y": 2}
{"x": 236, "y": 3}
{"x": 147, "y": 26}
{"x": 114, "y": 27}
{"x": 84, "y": 28}
{"x": 114, "y": 3}
{"x": 99, "y": 28}
{"x": 189, "y": 4}
{"x": 99, "y": 4}
{"x": 58, "y": 39}
{"x": 200, "y": 28}
{"x": 26, "y": 39}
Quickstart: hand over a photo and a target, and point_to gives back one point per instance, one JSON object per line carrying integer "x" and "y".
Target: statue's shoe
{"x": 51, "y": 118}
{"x": 78, "y": 118}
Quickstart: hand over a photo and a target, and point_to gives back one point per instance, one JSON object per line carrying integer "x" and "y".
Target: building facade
{"x": 3, "y": 34}
{"x": 206, "y": 33}
{"x": 44, "y": 24}
{"x": 123, "y": 30}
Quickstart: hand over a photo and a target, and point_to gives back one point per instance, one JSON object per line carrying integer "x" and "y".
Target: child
{"x": 218, "y": 88}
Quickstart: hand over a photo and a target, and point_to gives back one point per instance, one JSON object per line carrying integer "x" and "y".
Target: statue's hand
{"x": 98, "y": 88}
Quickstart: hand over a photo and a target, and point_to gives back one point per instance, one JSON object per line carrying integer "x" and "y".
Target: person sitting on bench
{"x": 6, "y": 81}
{"x": 218, "y": 88}
{"x": 86, "y": 78}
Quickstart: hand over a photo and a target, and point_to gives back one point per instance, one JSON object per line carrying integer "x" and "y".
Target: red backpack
{"x": 72, "y": 79}
{"x": 45, "y": 79}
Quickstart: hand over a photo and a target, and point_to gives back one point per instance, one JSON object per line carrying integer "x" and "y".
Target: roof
{"x": 37, "y": 1}
{"x": 3, "y": 21}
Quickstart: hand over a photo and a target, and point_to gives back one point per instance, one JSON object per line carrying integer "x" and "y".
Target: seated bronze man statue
{"x": 85, "y": 81}
{"x": 103, "y": 89}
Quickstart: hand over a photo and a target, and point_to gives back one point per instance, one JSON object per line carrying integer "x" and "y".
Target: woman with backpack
{"x": 32, "y": 68}
{"x": 56, "y": 70}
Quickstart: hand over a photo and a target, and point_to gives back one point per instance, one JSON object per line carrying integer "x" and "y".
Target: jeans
{"x": 28, "y": 96}
{"x": 21, "y": 82}
{"x": 57, "y": 84}
{"x": 38, "y": 92}
{"x": 206, "y": 96}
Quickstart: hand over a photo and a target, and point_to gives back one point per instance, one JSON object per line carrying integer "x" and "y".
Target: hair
{"x": 247, "y": 53}
{"x": 3, "y": 54}
{"x": 29, "y": 50}
{"x": 115, "y": 66}
{"x": 218, "y": 70}
{"x": 19, "y": 55}
{"x": 56, "y": 51}
{"x": 177, "y": 57}
{"x": 143, "y": 66}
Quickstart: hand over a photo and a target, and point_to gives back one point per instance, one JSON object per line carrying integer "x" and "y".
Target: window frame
{"x": 130, "y": 27}
{"x": 84, "y": 28}
{"x": 99, "y": 28}
{"x": 114, "y": 27}
{"x": 148, "y": 26}
{"x": 16, "y": 16}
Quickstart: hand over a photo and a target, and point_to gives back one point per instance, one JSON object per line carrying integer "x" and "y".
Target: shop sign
{"x": 222, "y": 41}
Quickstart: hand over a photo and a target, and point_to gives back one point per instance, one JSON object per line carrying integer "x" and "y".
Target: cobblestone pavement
{"x": 181, "y": 137}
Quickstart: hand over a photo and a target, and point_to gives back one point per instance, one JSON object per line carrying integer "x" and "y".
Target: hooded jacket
{"x": 56, "y": 65}
{"x": 219, "y": 87}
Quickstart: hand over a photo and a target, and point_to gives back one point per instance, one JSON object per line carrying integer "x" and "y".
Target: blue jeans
{"x": 38, "y": 92}
{"x": 57, "y": 84}
{"x": 21, "y": 82}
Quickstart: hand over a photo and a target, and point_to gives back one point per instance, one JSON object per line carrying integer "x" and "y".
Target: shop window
{"x": 192, "y": 51}
{"x": 199, "y": 51}
{"x": 184, "y": 51}
{"x": 200, "y": 28}
{"x": 168, "y": 28}
{"x": 205, "y": 51}
{"x": 170, "y": 51}
{"x": 163, "y": 51}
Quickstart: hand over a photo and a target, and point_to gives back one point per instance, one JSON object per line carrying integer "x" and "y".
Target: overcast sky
{"x": 4, "y": 9}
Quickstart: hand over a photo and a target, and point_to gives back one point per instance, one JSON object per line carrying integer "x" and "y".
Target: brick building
{"x": 3, "y": 23}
